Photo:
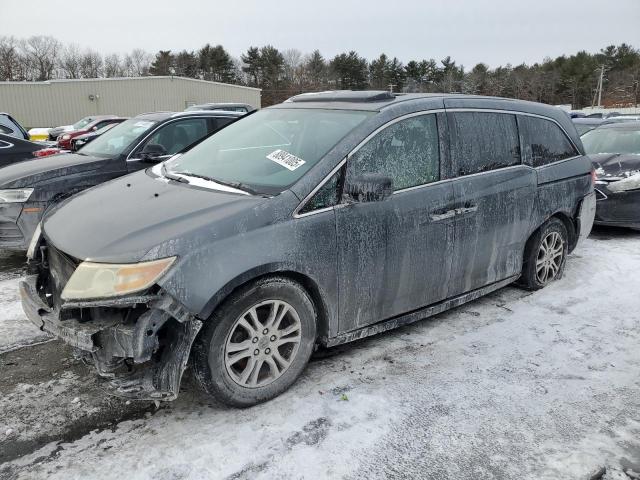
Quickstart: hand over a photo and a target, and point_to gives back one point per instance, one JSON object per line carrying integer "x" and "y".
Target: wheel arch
{"x": 569, "y": 224}
{"x": 310, "y": 285}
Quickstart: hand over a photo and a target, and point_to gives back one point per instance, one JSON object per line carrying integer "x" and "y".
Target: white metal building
{"x": 63, "y": 102}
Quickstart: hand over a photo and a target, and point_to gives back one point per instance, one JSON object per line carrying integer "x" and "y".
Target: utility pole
{"x": 391, "y": 85}
{"x": 598, "y": 92}
{"x": 600, "y": 86}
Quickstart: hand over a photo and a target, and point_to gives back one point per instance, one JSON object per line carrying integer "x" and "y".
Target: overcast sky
{"x": 495, "y": 32}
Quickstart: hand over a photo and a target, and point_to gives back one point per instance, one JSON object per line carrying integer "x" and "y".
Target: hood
{"x": 120, "y": 221}
{"x": 33, "y": 172}
{"x": 615, "y": 164}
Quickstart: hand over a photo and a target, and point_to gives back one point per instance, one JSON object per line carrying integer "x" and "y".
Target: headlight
{"x": 34, "y": 241}
{"x": 17, "y": 195}
{"x": 626, "y": 184}
{"x": 66, "y": 136}
{"x": 103, "y": 280}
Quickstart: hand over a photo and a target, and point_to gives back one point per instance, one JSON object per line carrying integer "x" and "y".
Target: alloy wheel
{"x": 550, "y": 257}
{"x": 262, "y": 343}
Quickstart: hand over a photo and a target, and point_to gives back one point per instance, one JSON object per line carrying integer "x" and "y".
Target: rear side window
{"x": 544, "y": 142}
{"x": 482, "y": 141}
{"x": 407, "y": 151}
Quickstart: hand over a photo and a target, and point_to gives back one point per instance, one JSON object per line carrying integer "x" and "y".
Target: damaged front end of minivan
{"x": 139, "y": 341}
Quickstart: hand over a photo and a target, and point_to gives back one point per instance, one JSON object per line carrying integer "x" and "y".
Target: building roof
{"x": 120, "y": 79}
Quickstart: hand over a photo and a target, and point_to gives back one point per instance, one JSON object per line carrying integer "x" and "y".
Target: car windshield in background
{"x": 269, "y": 150}
{"x": 609, "y": 140}
{"x": 116, "y": 140}
{"x": 82, "y": 123}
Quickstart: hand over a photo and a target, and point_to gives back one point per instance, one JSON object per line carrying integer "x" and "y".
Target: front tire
{"x": 545, "y": 255}
{"x": 257, "y": 343}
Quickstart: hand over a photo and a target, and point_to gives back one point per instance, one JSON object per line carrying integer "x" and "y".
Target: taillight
{"x": 45, "y": 152}
{"x": 594, "y": 176}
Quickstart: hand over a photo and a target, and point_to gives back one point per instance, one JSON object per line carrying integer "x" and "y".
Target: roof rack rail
{"x": 353, "y": 96}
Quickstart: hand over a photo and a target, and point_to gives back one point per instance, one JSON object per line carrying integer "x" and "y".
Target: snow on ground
{"x": 15, "y": 329}
{"x": 522, "y": 385}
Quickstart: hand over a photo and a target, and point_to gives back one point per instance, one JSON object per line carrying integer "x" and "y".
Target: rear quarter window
{"x": 544, "y": 142}
{"x": 483, "y": 141}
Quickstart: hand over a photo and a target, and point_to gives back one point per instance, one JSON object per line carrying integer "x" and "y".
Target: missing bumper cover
{"x": 156, "y": 345}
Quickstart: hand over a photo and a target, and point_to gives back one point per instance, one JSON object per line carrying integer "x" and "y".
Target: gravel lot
{"x": 513, "y": 386}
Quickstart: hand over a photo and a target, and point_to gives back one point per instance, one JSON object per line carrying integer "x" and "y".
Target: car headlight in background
{"x": 66, "y": 136}
{"x": 34, "y": 241}
{"x": 626, "y": 184}
{"x": 104, "y": 280}
{"x": 15, "y": 195}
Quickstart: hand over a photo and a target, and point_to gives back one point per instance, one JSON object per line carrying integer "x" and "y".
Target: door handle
{"x": 466, "y": 209}
{"x": 440, "y": 215}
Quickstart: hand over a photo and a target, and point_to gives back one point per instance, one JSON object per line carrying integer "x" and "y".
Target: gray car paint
{"x": 362, "y": 263}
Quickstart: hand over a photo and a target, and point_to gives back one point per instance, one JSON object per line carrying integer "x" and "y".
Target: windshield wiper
{"x": 236, "y": 185}
{"x": 170, "y": 176}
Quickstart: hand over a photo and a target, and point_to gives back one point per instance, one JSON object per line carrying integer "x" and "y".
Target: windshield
{"x": 609, "y": 140}
{"x": 116, "y": 140}
{"x": 81, "y": 123}
{"x": 269, "y": 150}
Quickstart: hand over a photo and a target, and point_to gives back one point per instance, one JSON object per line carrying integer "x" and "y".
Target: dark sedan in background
{"x": 615, "y": 152}
{"x": 14, "y": 150}
{"x": 30, "y": 188}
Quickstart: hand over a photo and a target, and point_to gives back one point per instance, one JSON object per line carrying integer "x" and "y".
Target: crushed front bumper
{"x": 143, "y": 359}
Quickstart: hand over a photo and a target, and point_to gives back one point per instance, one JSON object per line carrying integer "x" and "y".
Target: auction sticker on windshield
{"x": 286, "y": 159}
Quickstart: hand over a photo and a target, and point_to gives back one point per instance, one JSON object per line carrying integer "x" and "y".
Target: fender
{"x": 327, "y": 322}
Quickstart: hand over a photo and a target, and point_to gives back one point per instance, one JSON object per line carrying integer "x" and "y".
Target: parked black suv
{"x": 28, "y": 189}
{"x": 321, "y": 220}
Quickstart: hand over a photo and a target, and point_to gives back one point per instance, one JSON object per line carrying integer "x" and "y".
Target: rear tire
{"x": 545, "y": 255}
{"x": 257, "y": 343}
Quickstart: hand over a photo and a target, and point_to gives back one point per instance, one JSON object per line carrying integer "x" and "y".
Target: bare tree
{"x": 139, "y": 63}
{"x": 10, "y": 61}
{"x": 42, "y": 54}
{"x": 112, "y": 66}
{"x": 69, "y": 62}
{"x": 292, "y": 66}
{"x": 91, "y": 64}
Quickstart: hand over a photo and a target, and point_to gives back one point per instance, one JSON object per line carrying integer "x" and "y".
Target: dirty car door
{"x": 494, "y": 196}
{"x": 395, "y": 255}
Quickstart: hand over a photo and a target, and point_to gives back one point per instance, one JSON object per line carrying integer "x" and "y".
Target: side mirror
{"x": 152, "y": 151}
{"x": 369, "y": 187}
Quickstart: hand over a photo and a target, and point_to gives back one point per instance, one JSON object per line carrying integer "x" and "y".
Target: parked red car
{"x": 64, "y": 140}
